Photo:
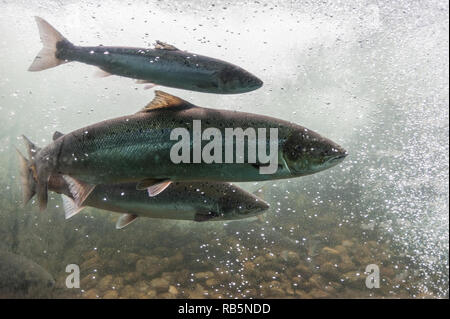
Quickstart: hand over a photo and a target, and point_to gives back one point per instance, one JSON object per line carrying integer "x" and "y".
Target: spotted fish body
{"x": 137, "y": 147}
{"x": 164, "y": 65}
{"x": 197, "y": 201}
{"x": 134, "y": 147}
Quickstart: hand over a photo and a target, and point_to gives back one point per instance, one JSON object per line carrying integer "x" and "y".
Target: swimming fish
{"x": 197, "y": 201}
{"x": 164, "y": 65}
{"x": 137, "y": 148}
{"x": 19, "y": 275}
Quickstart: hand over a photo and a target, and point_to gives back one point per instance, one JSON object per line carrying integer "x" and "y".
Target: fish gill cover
{"x": 372, "y": 76}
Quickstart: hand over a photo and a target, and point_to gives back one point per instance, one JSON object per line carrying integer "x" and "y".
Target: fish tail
{"x": 26, "y": 178}
{"x": 52, "y": 41}
{"x": 32, "y": 149}
{"x": 34, "y": 178}
{"x": 42, "y": 188}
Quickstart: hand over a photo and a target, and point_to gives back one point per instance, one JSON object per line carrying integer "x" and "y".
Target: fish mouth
{"x": 257, "y": 83}
{"x": 262, "y": 207}
{"x": 339, "y": 157}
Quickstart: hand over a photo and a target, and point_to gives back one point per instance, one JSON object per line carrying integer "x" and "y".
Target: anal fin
{"x": 125, "y": 220}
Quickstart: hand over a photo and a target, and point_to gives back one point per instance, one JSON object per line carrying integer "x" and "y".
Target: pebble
{"x": 105, "y": 283}
{"x": 91, "y": 294}
{"x": 111, "y": 294}
{"x": 204, "y": 275}
{"x": 159, "y": 284}
{"x": 173, "y": 290}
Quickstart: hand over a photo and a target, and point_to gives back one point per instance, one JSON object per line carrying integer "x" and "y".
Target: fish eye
{"x": 300, "y": 149}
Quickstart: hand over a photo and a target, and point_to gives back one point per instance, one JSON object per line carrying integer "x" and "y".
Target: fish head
{"x": 306, "y": 152}
{"x": 34, "y": 276}
{"x": 241, "y": 204}
{"x": 233, "y": 80}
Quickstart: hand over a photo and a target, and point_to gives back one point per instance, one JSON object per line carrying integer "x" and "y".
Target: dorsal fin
{"x": 57, "y": 135}
{"x": 162, "y": 100}
{"x": 165, "y": 46}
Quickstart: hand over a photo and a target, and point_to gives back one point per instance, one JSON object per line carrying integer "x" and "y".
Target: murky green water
{"x": 371, "y": 75}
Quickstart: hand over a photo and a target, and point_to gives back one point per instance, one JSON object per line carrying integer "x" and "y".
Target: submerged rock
{"x": 204, "y": 275}
{"x": 111, "y": 294}
{"x": 151, "y": 293}
{"x": 318, "y": 294}
{"x": 291, "y": 257}
{"x": 128, "y": 292}
{"x": 159, "y": 284}
{"x": 151, "y": 265}
{"x": 91, "y": 294}
{"x": 88, "y": 282}
{"x": 212, "y": 282}
{"x": 354, "y": 279}
{"x": 330, "y": 252}
{"x": 105, "y": 283}
{"x": 329, "y": 271}
{"x": 304, "y": 271}
{"x": 173, "y": 290}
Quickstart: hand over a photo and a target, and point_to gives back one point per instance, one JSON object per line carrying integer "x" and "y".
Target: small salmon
{"x": 164, "y": 65}
{"x": 195, "y": 201}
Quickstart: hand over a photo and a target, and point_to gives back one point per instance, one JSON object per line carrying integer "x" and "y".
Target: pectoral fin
{"x": 70, "y": 207}
{"x": 79, "y": 190}
{"x": 158, "y": 188}
{"x": 125, "y": 220}
{"x": 153, "y": 186}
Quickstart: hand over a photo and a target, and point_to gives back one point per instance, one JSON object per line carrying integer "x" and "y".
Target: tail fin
{"x": 31, "y": 148}
{"x": 34, "y": 179}
{"x": 26, "y": 178}
{"x": 50, "y": 37}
